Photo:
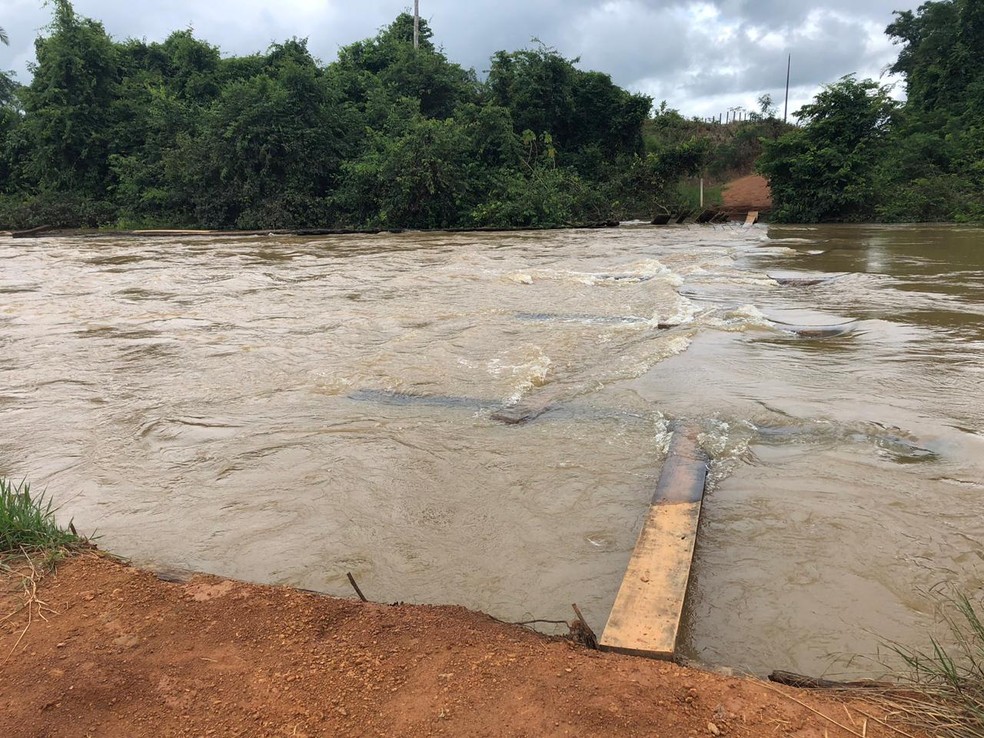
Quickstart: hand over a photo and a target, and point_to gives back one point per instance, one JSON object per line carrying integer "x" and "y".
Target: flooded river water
{"x": 288, "y": 410}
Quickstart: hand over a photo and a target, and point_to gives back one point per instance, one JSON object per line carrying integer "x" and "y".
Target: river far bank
{"x": 106, "y": 649}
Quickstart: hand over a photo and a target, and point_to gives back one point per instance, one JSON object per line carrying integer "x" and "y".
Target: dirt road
{"x": 115, "y": 651}
{"x": 746, "y": 194}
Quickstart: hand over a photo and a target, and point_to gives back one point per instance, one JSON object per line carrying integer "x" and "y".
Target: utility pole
{"x": 416, "y": 24}
{"x": 789, "y": 66}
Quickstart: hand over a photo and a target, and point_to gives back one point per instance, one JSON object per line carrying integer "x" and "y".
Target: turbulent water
{"x": 288, "y": 410}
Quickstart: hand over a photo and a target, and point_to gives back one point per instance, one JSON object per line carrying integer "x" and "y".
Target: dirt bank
{"x": 119, "y": 652}
{"x": 748, "y": 193}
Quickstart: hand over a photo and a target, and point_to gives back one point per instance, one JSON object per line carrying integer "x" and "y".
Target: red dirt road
{"x": 123, "y": 654}
{"x": 748, "y": 193}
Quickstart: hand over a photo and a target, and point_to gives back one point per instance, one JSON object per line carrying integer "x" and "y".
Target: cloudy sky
{"x": 702, "y": 57}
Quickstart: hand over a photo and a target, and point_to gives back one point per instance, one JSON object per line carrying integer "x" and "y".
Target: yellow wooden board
{"x": 752, "y": 218}
{"x": 645, "y": 619}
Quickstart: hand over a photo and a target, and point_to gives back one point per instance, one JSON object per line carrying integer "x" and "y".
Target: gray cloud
{"x": 789, "y": 13}
{"x": 701, "y": 56}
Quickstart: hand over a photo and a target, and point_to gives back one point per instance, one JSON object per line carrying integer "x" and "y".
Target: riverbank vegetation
{"x": 860, "y": 155}
{"x": 174, "y": 134}
{"x": 134, "y": 133}
{"x": 27, "y": 522}
{"x": 943, "y": 688}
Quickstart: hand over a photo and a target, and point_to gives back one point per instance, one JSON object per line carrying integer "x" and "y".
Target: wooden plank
{"x": 752, "y": 218}
{"x": 645, "y": 619}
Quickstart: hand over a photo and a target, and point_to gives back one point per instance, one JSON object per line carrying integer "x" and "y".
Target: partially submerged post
{"x": 645, "y": 619}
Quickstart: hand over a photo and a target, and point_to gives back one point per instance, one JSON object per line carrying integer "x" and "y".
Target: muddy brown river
{"x": 288, "y": 410}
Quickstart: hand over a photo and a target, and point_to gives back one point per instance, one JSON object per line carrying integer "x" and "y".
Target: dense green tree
{"x": 270, "y": 148}
{"x": 826, "y": 169}
{"x": 936, "y": 170}
{"x": 7, "y": 85}
{"x": 166, "y": 91}
{"x": 149, "y": 123}
{"x": 171, "y": 133}
{"x": 423, "y": 179}
{"x": 858, "y": 155}
{"x": 10, "y": 120}
{"x": 68, "y": 104}
{"x": 190, "y": 68}
{"x": 425, "y": 74}
{"x": 942, "y": 55}
{"x": 591, "y": 119}
{"x": 537, "y": 87}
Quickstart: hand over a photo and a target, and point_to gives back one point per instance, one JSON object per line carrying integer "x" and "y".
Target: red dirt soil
{"x": 747, "y": 194}
{"x": 119, "y": 652}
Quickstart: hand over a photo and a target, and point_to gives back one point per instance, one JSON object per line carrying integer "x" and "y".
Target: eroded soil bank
{"x": 121, "y": 652}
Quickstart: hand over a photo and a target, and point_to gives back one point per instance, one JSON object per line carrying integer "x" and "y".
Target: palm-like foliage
{"x": 4, "y": 39}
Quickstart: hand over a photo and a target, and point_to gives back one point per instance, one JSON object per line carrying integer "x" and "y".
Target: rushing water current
{"x": 288, "y": 410}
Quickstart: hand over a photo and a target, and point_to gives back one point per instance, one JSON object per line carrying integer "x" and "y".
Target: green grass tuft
{"x": 27, "y": 522}
{"x": 947, "y": 680}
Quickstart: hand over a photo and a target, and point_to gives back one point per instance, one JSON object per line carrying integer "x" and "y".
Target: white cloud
{"x": 702, "y": 57}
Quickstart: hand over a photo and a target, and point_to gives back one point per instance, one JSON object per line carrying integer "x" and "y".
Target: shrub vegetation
{"x": 861, "y": 155}
{"x": 138, "y": 133}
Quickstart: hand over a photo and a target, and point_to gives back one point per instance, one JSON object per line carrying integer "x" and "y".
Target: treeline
{"x": 132, "y": 134}
{"x": 861, "y": 156}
